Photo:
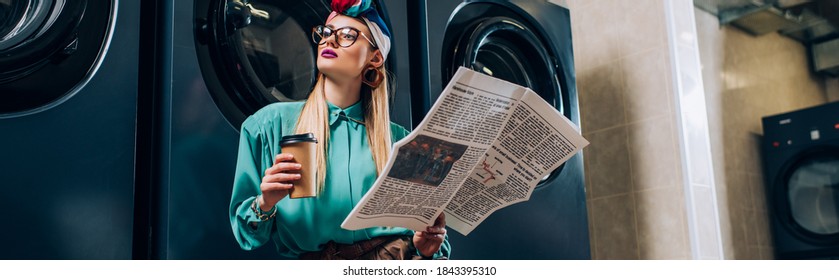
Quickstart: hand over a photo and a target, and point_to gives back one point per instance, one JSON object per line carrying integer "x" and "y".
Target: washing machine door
{"x": 44, "y": 57}
{"x": 495, "y": 40}
{"x": 256, "y": 52}
{"x": 808, "y": 201}
{"x": 527, "y": 43}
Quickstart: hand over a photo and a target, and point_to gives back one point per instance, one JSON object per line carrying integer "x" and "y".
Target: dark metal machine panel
{"x": 66, "y": 173}
{"x": 800, "y": 152}
{"x": 553, "y": 224}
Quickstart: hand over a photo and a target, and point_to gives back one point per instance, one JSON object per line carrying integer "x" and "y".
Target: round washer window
{"x": 813, "y": 194}
{"x": 505, "y": 48}
{"x": 59, "y": 41}
{"x": 256, "y": 53}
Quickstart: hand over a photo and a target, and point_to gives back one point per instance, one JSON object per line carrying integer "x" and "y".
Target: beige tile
{"x": 654, "y": 160}
{"x": 747, "y": 73}
{"x": 577, "y": 37}
{"x": 768, "y": 47}
{"x": 784, "y": 43}
{"x": 792, "y": 96}
{"x": 737, "y": 45}
{"x": 762, "y": 230}
{"x": 661, "y": 229}
{"x": 725, "y": 226}
{"x": 797, "y": 61}
{"x": 733, "y": 115}
{"x": 645, "y": 78}
{"x": 600, "y": 44}
{"x": 756, "y": 101}
{"x": 733, "y": 161}
{"x": 812, "y": 91}
{"x": 608, "y": 163}
{"x": 569, "y": 4}
{"x": 563, "y": 3}
{"x": 752, "y": 253}
{"x": 757, "y": 189}
{"x": 642, "y": 25}
{"x": 752, "y": 154}
{"x": 615, "y": 234}
{"x": 739, "y": 191}
{"x": 742, "y": 155}
{"x": 584, "y": 58}
{"x": 832, "y": 88}
{"x": 782, "y": 99}
{"x": 601, "y": 98}
{"x": 780, "y": 64}
{"x": 746, "y": 251}
{"x": 752, "y": 228}
{"x": 766, "y": 253}
{"x": 580, "y": 4}
{"x": 738, "y": 234}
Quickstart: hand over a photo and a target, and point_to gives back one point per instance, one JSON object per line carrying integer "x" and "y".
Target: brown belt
{"x": 338, "y": 251}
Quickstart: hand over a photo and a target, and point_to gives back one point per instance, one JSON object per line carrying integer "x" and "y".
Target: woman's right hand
{"x": 277, "y": 181}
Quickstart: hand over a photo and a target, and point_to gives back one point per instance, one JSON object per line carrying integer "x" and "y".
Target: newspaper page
{"x": 536, "y": 140}
{"x": 435, "y": 163}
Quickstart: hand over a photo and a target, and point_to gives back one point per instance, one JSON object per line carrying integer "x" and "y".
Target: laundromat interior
{"x": 713, "y": 125}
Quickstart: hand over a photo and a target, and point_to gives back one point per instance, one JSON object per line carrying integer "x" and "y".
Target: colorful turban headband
{"x": 364, "y": 9}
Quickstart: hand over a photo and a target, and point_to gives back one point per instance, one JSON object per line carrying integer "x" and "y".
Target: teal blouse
{"x": 305, "y": 224}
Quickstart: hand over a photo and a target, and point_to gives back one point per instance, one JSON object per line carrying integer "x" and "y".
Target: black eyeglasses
{"x": 344, "y": 36}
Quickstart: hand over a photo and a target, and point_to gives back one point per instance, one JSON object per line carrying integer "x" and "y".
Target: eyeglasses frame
{"x": 335, "y": 32}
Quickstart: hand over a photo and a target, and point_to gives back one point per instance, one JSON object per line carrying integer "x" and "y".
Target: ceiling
{"x": 804, "y": 20}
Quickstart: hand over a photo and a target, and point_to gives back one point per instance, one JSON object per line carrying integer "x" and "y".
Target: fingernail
{"x": 298, "y": 165}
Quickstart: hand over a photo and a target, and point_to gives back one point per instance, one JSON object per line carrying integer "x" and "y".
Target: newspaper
{"x": 485, "y": 145}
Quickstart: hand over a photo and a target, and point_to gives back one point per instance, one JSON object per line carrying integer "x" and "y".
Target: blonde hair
{"x": 314, "y": 118}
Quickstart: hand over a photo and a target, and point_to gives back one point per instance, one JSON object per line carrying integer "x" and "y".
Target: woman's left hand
{"x": 429, "y": 241}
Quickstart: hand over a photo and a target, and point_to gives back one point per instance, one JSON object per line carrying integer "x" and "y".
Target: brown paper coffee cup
{"x": 304, "y": 149}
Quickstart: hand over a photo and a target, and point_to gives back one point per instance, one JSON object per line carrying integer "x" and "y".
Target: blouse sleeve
{"x": 397, "y": 132}
{"x": 249, "y": 230}
{"x": 445, "y": 249}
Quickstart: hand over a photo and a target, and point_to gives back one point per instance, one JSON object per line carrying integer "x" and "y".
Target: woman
{"x": 347, "y": 111}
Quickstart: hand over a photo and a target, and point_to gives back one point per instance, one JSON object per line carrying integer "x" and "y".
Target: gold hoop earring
{"x": 372, "y": 77}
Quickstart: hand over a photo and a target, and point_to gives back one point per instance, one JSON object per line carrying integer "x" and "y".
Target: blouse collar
{"x": 353, "y": 114}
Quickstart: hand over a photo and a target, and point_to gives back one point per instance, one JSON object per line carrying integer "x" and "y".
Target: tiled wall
{"x": 633, "y": 176}
{"x": 832, "y": 90}
{"x": 746, "y": 78}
